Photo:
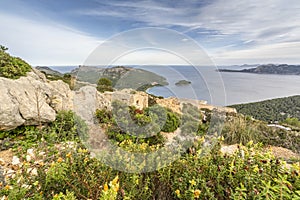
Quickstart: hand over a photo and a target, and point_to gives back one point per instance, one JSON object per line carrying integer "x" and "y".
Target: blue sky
{"x": 65, "y": 32}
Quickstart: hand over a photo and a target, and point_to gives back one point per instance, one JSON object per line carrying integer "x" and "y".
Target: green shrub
{"x": 128, "y": 123}
{"x": 67, "y": 171}
{"x": 103, "y": 115}
{"x": 12, "y": 67}
{"x": 66, "y": 127}
{"x": 104, "y": 84}
{"x": 292, "y": 121}
{"x": 172, "y": 122}
{"x": 247, "y": 174}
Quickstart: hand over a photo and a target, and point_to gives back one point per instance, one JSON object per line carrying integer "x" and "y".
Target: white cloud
{"x": 273, "y": 53}
{"x": 248, "y": 29}
{"x": 262, "y": 21}
{"x": 236, "y": 31}
{"x": 150, "y": 12}
{"x": 149, "y": 46}
{"x": 146, "y": 57}
{"x": 45, "y": 43}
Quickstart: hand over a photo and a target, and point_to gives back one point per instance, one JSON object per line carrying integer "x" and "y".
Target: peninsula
{"x": 282, "y": 69}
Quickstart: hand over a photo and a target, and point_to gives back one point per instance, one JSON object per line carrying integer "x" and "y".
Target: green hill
{"x": 272, "y": 110}
{"x": 49, "y": 71}
{"x": 121, "y": 77}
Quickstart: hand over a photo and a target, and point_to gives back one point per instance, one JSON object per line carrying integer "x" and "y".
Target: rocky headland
{"x": 282, "y": 69}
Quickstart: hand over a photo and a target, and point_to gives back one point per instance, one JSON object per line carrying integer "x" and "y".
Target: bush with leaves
{"x": 247, "y": 174}
{"x": 104, "y": 84}
{"x": 128, "y": 123}
{"x": 67, "y": 170}
{"x": 292, "y": 122}
{"x": 103, "y": 116}
{"x": 172, "y": 122}
{"x": 12, "y": 67}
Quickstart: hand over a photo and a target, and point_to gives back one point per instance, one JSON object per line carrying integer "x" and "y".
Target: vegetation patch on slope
{"x": 272, "y": 110}
{"x": 52, "y": 163}
{"x": 12, "y": 67}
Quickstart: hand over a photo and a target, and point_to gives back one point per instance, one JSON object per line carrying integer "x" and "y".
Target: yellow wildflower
{"x": 201, "y": 140}
{"x": 84, "y": 150}
{"x": 116, "y": 187}
{"x": 115, "y": 180}
{"x": 197, "y": 193}
{"x": 255, "y": 169}
{"x": 86, "y": 159}
{"x": 177, "y": 192}
{"x": 105, "y": 188}
{"x": 250, "y": 143}
{"x": 8, "y": 187}
{"x": 60, "y": 159}
{"x": 69, "y": 155}
{"x": 192, "y": 182}
{"x": 221, "y": 138}
{"x": 80, "y": 150}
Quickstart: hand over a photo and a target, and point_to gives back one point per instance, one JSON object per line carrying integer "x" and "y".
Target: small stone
{"x": 28, "y": 158}
{"x": 2, "y": 162}
{"x": 15, "y": 160}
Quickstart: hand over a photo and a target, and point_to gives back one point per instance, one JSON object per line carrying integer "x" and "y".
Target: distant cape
{"x": 283, "y": 69}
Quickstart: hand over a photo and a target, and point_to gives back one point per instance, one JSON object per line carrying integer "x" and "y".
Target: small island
{"x": 183, "y": 82}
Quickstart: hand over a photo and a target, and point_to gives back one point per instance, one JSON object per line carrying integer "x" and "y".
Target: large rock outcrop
{"x": 32, "y": 100}
{"x": 87, "y": 100}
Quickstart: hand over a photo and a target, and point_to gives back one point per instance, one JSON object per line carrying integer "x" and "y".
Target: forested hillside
{"x": 272, "y": 110}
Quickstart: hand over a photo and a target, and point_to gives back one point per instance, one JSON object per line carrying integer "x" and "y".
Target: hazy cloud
{"x": 230, "y": 31}
{"x": 45, "y": 44}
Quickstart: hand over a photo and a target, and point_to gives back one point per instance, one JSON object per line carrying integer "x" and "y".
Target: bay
{"x": 218, "y": 88}
{"x": 223, "y": 88}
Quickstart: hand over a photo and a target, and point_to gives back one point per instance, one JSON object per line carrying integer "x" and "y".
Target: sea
{"x": 218, "y": 88}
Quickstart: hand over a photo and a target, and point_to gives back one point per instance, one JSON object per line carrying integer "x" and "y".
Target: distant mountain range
{"x": 283, "y": 69}
{"x": 49, "y": 71}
